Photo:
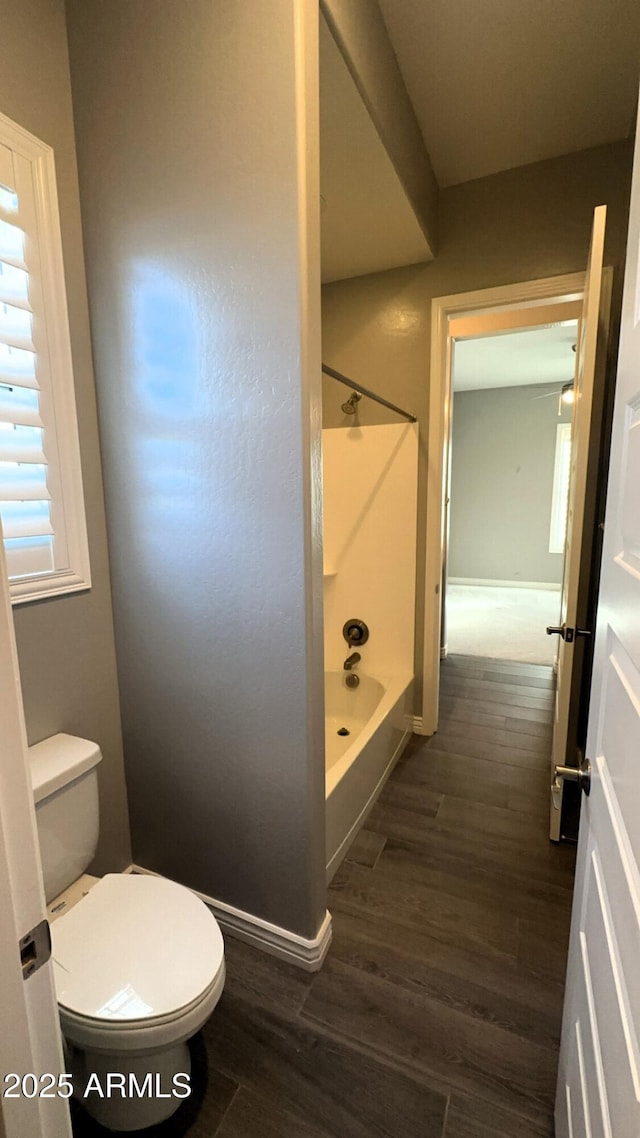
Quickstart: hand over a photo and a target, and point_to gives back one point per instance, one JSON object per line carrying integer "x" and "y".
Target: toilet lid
{"x": 135, "y": 948}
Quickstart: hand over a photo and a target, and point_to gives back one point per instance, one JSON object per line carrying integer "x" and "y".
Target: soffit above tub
{"x": 367, "y": 223}
{"x": 516, "y": 359}
{"x": 504, "y": 83}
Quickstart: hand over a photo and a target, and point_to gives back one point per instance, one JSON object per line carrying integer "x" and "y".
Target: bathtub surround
{"x": 370, "y": 485}
{"x": 198, "y": 155}
{"x": 66, "y": 645}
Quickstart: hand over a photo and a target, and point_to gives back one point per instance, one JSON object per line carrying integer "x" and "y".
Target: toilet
{"x": 138, "y": 960}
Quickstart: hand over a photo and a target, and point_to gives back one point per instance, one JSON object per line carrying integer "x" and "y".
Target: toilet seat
{"x": 137, "y": 952}
{"x": 121, "y": 1037}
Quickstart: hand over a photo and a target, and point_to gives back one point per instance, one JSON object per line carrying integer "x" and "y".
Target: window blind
{"x": 24, "y": 493}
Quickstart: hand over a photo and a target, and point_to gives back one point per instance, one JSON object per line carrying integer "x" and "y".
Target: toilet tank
{"x": 65, "y": 790}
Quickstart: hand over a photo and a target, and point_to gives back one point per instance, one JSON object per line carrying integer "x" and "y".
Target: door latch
{"x": 566, "y": 632}
{"x": 580, "y": 774}
{"x": 35, "y": 949}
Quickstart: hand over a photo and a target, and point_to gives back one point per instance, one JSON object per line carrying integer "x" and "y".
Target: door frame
{"x": 525, "y": 294}
{"x": 32, "y": 1039}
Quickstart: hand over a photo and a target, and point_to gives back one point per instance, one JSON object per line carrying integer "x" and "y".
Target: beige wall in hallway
{"x": 520, "y": 225}
{"x": 66, "y": 645}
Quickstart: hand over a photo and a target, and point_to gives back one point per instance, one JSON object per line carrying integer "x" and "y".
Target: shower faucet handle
{"x": 355, "y": 632}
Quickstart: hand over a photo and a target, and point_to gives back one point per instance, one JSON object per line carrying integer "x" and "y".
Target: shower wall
{"x": 370, "y": 487}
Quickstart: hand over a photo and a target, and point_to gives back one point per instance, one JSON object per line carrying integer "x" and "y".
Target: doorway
{"x": 508, "y": 478}
{"x": 501, "y": 310}
{"x": 584, "y": 496}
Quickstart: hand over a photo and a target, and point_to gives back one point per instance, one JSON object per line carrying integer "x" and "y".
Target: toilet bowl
{"x": 138, "y": 960}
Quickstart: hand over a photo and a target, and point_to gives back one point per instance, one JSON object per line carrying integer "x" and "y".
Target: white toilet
{"x": 138, "y": 960}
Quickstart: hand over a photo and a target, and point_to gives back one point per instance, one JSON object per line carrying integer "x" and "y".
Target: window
{"x": 560, "y": 494}
{"x": 41, "y": 500}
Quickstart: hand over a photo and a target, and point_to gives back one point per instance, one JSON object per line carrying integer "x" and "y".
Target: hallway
{"x": 437, "y": 1012}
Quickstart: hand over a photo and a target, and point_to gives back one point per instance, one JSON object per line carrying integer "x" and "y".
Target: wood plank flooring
{"x": 437, "y": 1013}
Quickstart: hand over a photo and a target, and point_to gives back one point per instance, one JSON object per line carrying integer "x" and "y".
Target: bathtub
{"x": 378, "y": 717}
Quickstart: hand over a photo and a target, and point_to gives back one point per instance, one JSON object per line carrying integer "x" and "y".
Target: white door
{"x": 585, "y": 443}
{"x": 30, "y": 1040}
{"x": 599, "y": 1075}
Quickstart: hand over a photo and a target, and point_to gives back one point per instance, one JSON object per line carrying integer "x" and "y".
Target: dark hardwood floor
{"x": 437, "y": 1012}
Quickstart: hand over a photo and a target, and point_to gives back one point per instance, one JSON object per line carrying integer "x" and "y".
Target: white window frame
{"x": 560, "y": 501}
{"x": 55, "y": 378}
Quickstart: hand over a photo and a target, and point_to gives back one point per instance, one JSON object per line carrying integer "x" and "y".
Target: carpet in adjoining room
{"x": 504, "y": 623}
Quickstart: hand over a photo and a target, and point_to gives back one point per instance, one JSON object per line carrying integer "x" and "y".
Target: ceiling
{"x": 501, "y": 83}
{"x": 516, "y": 359}
{"x": 367, "y": 224}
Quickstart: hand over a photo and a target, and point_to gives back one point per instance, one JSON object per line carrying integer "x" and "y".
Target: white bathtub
{"x": 377, "y": 715}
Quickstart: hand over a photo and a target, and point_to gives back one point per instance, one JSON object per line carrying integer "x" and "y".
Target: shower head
{"x": 349, "y": 407}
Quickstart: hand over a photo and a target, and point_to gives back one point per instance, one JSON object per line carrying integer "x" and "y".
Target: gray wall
{"x": 531, "y": 222}
{"x": 197, "y": 140}
{"x": 66, "y": 645}
{"x": 502, "y": 461}
{"x": 360, "y": 32}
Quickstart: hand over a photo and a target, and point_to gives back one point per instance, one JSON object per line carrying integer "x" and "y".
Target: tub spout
{"x": 351, "y": 661}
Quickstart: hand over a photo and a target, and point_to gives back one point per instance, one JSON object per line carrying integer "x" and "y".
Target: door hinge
{"x": 35, "y": 949}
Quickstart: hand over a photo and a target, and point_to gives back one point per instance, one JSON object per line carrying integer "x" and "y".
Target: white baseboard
{"x": 491, "y": 584}
{"x": 444, "y": 651}
{"x": 418, "y": 725}
{"x": 306, "y": 953}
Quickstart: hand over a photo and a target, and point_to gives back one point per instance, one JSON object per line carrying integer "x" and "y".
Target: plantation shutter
{"x": 41, "y": 497}
{"x": 25, "y": 475}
